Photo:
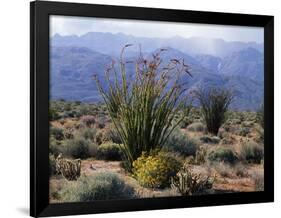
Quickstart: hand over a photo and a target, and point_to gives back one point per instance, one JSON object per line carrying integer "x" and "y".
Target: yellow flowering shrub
{"x": 154, "y": 170}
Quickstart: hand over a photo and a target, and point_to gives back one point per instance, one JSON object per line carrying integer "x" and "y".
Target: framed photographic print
{"x": 141, "y": 109}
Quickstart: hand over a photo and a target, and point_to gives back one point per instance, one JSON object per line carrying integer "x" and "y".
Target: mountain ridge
{"x": 99, "y": 41}
{"x": 72, "y": 69}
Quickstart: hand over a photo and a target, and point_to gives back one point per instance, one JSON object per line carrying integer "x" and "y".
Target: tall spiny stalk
{"x": 143, "y": 108}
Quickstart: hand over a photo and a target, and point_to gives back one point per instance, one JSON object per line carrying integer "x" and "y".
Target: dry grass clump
{"x": 252, "y": 152}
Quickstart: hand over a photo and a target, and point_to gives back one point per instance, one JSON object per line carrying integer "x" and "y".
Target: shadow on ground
{"x": 23, "y": 210}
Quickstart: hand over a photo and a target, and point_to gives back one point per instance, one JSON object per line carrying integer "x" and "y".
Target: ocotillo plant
{"x": 143, "y": 108}
{"x": 214, "y": 104}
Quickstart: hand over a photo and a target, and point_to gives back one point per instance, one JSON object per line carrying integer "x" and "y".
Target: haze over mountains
{"x": 213, "y": 62}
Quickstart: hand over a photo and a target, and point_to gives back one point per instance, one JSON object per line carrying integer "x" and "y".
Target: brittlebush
{"x": 156, "y": 169}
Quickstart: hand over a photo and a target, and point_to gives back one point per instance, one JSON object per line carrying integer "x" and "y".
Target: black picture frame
{"x": 39, "y": 104}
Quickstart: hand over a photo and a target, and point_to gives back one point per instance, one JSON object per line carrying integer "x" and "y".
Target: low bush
{"x": 243, "y": 131}
{"x": 57, "y": 133}
{"x": 241, "y": 171}
{"x": 210, "y": 139}
{"x": 101, "y": 186}
{"x": 103, "y": 135}
{"x": 93, "y": 149}
{"x": 196, "y": 127}
{"x": 53, "y": 114}
{"x": 222, "y": 133}
{"x": 87, "y": 133}
{"x": 222, "y": 154}
{"x": 156, "y": 169}
{"x": 252, "y": 152}
{"x": 68, "y": 134}
{"x": 71, "y": 124}
{"x": 109, "y": 151}
{"x": 181, "y": 144}
{"x": 88, "y": 120}
{"x": 77, "y": 148}
{"x": 224, "y": 169}
{"x": 54, "y": 146}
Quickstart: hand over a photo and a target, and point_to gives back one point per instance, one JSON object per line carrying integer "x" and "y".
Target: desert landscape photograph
{"x": 148, "y": 109}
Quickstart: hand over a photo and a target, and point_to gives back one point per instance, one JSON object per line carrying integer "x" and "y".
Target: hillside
{"x": 72, "y": 69}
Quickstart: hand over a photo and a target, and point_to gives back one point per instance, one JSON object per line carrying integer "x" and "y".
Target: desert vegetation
{"x": 147, "y": 139}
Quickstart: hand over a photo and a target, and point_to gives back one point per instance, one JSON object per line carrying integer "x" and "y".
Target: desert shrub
{"x": 93, "y": 149}
{"x": 71, "y": 124}
{"x": 54, "y": 146}
{"x": 228, "y": 140}
{"x": 84, "y": 109}
{"x": 222, "y": 154}
{"x": 224, "y": 169}
{"x": 155, "y": 170}
{"x": 248, "y": 124}
{"x": 109, "y": 151}
{"x": 196, "y": 127}
{"x": 57, "y": 132}
{"x": 52, "y": 165}
{"x": 101, "y": 122}
{"x": 87, "y": 133}
{"x": 235, "y": 121}
{"x": 180, "y": 143}
{"x": 103, "y": 135}
{"x": 190, "y": 160}
{"x": 243, "y": 131}
{"x": 252, "y": 152}
{"x": 77, "y": 148}
{"x": 214, "y": 104}
{"x": 188, "y": 183}
{"x": 241, "y": 170}
{"x": 102, "y": 186}
{"x": 88, "y": 120}
{"x": 210, "y": 139}
{"x": 68, "y": 134}
{"x": 222, "y": 133}
{"x": 143, "y": 109}
{"x": 53, "y": 114}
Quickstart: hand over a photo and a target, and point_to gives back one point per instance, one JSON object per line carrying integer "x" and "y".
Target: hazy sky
{"x": 65, "y": 25}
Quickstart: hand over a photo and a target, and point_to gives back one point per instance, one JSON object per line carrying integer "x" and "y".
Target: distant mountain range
{"x": 235, "y": 65}
{"x": 111, "y": 44}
